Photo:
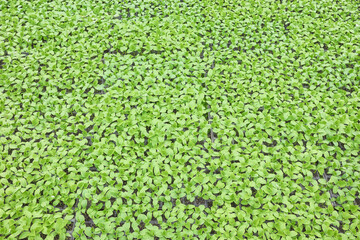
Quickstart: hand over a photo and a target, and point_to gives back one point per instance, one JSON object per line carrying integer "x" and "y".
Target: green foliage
{"x": 179, "y": 119}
